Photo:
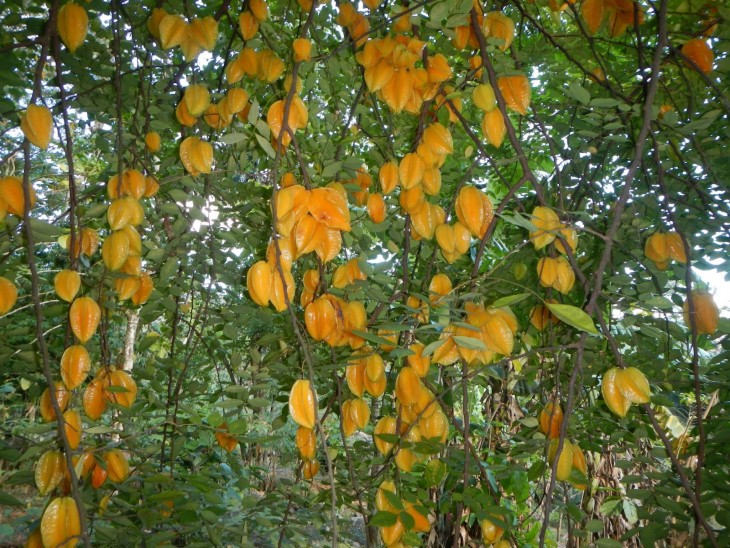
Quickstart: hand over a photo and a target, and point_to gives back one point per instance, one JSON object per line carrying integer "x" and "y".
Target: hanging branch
{"x": 35, "y": 281}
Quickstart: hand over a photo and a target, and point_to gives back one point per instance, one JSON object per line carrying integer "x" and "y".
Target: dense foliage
{"x": 411, "y": 273}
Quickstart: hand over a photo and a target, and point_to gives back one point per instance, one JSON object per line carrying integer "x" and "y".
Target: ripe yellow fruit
{"x": 73, "y": 24}
{"x": 153, "y": 23}
{"x": 565, "y": 460}
{"x": 12, "y": 196}
{"x": 438, "y": 139}
{"x": 516, "y": 92}
{"x": 306, "y": 441}
{"x": 49, "y": 471}
{"x": 215, "y": 116}
{"x": 494, "y": 127}
{"x": 483, "y": 97}
{"x": 439, "y": 287}
{"x": 259, "y": 8}
{"x": 410, "y": 170}
{"x": 556, "y": 273}
{"x": 697, "y": 51}
{"x": 571, "y": 238}
{"x": 633, "y": 385}
{"x": 197, "y": 99}
{"x": 348, "y": 423}
{"x": 183, "y": 116}
{"x": 115, "y": 250}
{"x": 550, "y": 419}
{"x": 236, "y": 101}
{"x": 302, "y": 403}
{"x": 117, "y": 465}
{"x": 405, "y": 459}
{"x": 329, "y": 207}
{"x": 202, "y": 34}
{"x": 94, "y": 401}
{"x": 706, "y": 312}
{"x": 374, "y": 367}
{"x": 86, "y": 242}
{"x": 310, "y": 468}
{"x": 302, "y": 50}
{"x": 675, "y": 247}
{"x": 127, "y": 286}
{"x": 258, "y": 282}
{"x": 547, "y": 223}
{"x": 421, "y": 523}
{"x": 497, "y": 25}
{"x": 152, "y": 141}
{"x": 37, "y": 125}
{"x": 359, "y": 412}
{"x": 382, "y": 502}
{"x": 319, "y": 318}
{"x": 173, "y": 31}
{"x": 297, "y": 118}
{"x": 75, "y": 366}
{"x": 60, "y": 525}
{"x": 196, "y": 155}
{"x": 386, "y": 425}
{"x": 392, "y": 534}
{"x": 474, "y": 210}
{"x": 8, "y": 295}
{"x": 145, "y": 289}
{"x": 656, "y": 249}
{"x": 120, "y": 388}
{"x": 355, "y": 377}
{"x": 579, "y": 463}
{"x": 417, "y": 360}
{"x": 376, "y": 208}
{"x": 592, "y": 12}
{"x": 248, "y": 24}
{"x": 34, "y": 540}
{"x": 72, "y": 427}
{"x": 613, "y": 397}
{"x": 124, "y": 212}
{"x": 84, "y": 317}
{"x": 67, "y": 284}
{"x": 434, "y": 426}
{"x": 408, "y": 386}
{"x": 491, "y": 533}
{"x": 270, "y": 67}
{"x": 376, "y": 388}
{"x": 225, "y": 440}
{"x": 540, "y": 317}
{"x": 48, "y": 414}
{"x": 282, "y": 289}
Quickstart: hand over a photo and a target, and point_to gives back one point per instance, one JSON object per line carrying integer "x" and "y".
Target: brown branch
{"x": 610, "y": 236}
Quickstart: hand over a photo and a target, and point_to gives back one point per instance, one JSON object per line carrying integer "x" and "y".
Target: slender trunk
{"x": 129, "y": 338}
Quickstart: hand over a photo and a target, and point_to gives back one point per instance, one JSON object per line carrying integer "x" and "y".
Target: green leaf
{"x": 373, "y": 338}
{"x": 432, "y": 347}
{"x": 268, "y": 149}
{"x": 573, "y": 316}
{"x": 578, "y": 92}
{"x": 6, "y": 499}
{"x": 233, "y": 138}
{"x": 469, "y": 343}
{"x": 330, "y": 170}
{"x": 510, "y": 300}
{"x": 43, "y": 231}
{"x": 610, "y": 506}
{"x": 407, "y": 520}
{"x": 383, "y": 519}
{"x": 608, "y": 543}
{"x": 258, "y": 402}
